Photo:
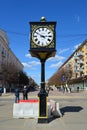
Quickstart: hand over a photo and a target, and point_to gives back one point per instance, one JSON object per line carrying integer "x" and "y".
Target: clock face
{"x": 42, "y": 36}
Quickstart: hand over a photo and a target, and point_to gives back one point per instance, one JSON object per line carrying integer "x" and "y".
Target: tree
{"x": 62, "y": 76}
{"x": 23, "y": 78}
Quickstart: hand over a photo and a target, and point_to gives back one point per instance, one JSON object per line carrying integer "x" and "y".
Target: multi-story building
{"x": 77, "y": 63}
{"x": 9, "y": 63}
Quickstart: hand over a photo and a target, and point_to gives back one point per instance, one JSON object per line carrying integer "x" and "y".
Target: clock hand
{"x": 40, "y": 35}
{"x": 48, "y": 36}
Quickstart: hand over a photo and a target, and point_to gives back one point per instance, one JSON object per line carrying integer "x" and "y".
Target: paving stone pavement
{"x": 72, "y": 105}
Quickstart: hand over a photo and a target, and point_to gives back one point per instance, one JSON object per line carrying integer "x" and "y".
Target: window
{"x": 86, "y": 64}
{"x": 86, "y": 46}
{"x": 86, "y": 55}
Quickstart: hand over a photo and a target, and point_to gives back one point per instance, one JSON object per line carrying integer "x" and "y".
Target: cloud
{"x": 31, "y": 64}
{"x": 56, "y": 58}
{"x": 26, "y": 65}
{"x": 76, "y": 18}
{"x": 76, "y": 46}
{"x": 34, "y": 63}
{"x": 57, "y": 65}
{"x": 63, "y": 50}
{"x": 35, "y": 75}
{"x": 28, "y": 55}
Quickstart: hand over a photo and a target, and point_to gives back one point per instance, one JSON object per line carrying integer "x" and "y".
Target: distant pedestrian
{"x": 78, "y": 89}
{"x": 63, "y": 88}
{"x": 70, "y": 88}
{"x": 25, "y": 93}
{"x": 16, "y": 95}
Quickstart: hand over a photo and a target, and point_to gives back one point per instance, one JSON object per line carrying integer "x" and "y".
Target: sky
{"x": 71, "y": 30}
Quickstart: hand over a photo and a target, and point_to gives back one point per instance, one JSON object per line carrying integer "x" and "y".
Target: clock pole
{"x": 43, "y": 118}
{"x": 42, "y": 75}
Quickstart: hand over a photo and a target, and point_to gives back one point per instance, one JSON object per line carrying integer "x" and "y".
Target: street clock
{"x": 42, "y": 35}
{"x": 42, "y": 46}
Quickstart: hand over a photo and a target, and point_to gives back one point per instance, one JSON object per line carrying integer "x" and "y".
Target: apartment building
{"x": 9, "y": 63}
{"x": 77, "y": 63}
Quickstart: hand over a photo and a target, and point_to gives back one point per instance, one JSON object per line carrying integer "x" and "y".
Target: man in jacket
{"x": 25, "y": 93}
{"x": 16, "y": 95}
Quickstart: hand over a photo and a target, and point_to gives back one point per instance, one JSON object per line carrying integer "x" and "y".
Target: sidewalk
{"x": 73, "y": 105}
{"x": 52, "y": 94}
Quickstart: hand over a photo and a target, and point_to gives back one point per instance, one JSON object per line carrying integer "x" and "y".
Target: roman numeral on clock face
{"x": 42, "y": 36}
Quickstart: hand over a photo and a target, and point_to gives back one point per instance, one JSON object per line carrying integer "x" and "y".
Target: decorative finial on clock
{"x": 43, "y": 19}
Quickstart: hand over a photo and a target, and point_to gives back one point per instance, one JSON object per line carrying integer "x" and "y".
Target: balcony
{"x": 76, "y": 64}
{"x": 80, "y": 53}
{"x": 76, "y": 57}
{"x": 3, "y": 54}
{"x": 76, "y": 70}
{"x": 81, "y": 69}
{"x": 80, "y": 61}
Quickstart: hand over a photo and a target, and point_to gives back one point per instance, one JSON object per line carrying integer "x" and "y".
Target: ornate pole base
{"x": 43, "y": 120}
{"x": 43, "y": 111}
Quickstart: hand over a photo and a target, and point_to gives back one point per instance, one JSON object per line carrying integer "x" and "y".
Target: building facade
{"x": 77, "y": 63}
{"x": 9, "y": 63}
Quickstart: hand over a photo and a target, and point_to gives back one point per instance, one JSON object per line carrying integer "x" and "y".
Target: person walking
{"x": 16, "y": 95}
{"x": 25, "y": 93}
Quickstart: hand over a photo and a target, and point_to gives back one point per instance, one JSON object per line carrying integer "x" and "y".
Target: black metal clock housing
{"x": 42, "y": 36}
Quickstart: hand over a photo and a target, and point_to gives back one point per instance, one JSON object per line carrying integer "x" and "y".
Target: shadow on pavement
{"x": 71, "y": 109}
{"x": 52, "y": 119}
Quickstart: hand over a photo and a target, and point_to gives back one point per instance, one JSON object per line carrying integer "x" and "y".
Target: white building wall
{"x": 7, "y": 57}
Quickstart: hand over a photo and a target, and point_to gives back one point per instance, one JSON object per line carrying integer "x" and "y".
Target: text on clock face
{"x": 43, "y": 36}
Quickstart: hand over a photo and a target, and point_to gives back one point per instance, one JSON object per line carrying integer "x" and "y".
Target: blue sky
{"x": 71, "y": 29}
